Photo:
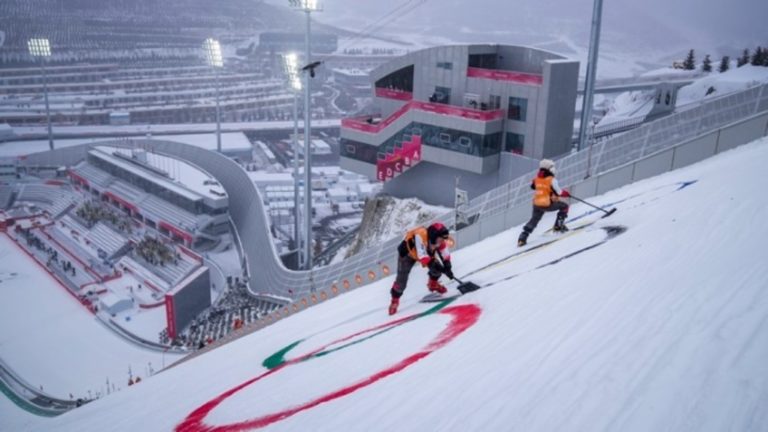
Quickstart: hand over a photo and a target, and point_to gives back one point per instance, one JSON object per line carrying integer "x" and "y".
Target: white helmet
{"x": 548, "y": 165}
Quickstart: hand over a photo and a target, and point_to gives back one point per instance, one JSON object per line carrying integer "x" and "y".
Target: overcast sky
{"x": 651, "y": 24}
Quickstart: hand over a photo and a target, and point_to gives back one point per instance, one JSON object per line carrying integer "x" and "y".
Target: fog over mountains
{"x": 663, "y": 28}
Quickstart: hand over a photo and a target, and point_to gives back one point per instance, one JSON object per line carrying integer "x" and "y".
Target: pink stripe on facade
{"x": 394, "y": 94}
{"x": 361, "y": 123}
{"x": 501, "y": 75}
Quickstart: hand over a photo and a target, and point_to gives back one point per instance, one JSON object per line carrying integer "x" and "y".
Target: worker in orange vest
{"x": 546, "y": 198}
{"x": 428, "y": 246}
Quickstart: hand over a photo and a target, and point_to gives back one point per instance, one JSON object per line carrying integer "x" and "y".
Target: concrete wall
{"x": 684, "y": 154}
{"x": 558, "y": 101}
{"x": 434, "y": 183}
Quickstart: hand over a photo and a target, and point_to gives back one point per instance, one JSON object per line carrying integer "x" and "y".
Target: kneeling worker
{"x": 429, "y": 247}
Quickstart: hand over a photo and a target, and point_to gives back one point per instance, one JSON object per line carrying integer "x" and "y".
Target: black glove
{"x": 435, "y": 265}
{"x": 447, "y": 269}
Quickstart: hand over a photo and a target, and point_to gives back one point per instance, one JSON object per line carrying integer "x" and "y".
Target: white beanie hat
{"x": 548, "y": 165}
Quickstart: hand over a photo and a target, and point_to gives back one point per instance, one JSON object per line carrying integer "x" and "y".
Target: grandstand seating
{"x": 159, "y": 209}
{"x": 95, "y": 176}
{"x": 105, "y": 238}
{"x": 141, "y": 271}
{"x": 171, "y": 273}
{"x": 6, "y": 193}
{"x": 127, "y": 192}
{"x": 39, "y": 193}
{"x": 62, "y": 204}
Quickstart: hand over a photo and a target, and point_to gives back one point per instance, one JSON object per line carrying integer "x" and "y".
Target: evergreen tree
{"x": 725, "y": 63}
{"x": 706, "y": 65}
{"x": 757, "y": 57}
{"x": 690, "y": 61}
{"x": 744, "y": 59}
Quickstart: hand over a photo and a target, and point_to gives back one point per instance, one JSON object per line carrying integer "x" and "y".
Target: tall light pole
{"x": 213, "y": 57}
{"x": 40, "y": 47}
{"x": 308, "y": 6}
{"x": 589, "y": 85}
{"x": 291, "y": 64}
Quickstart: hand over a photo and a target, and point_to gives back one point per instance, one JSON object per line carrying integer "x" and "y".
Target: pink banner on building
{"x": 365, "y": 124}
{"x": 78, "y": 178}
{"x": 125, "y": 203}
{"x": 501, "y": 75}
{"x": 170, "y": 316}
{"x": 394, "y": 94}
{"x": 400, "y": 160}
{"x": 455, "y": 111}
{"x": 187, "y": 237}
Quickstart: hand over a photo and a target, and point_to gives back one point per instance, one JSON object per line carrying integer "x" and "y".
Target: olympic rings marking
{"x": 463, "y": 317}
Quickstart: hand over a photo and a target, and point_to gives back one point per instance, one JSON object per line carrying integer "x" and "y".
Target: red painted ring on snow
{"x": 464, "y": 316}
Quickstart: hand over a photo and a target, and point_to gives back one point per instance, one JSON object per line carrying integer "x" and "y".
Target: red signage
{"x": 78, "y": 177}
{"x": 366, "y": 124}
{"x": 393, "y": 94}
{"x": 178, "y": 232}
{"x": 501, "y": 75}
{"x": 125, "y": 203}
{"x": 170, "y": 316}
{"x": 400, "y": 160}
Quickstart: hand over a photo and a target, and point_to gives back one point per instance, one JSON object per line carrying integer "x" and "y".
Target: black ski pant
{"x": 404, "y": 266}
{"x": 559, "y": 206}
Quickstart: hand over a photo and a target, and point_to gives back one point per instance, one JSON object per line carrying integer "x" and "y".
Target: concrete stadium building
{"x": 483, "y": 113}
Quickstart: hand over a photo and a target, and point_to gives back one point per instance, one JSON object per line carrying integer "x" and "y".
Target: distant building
{"x": 6, "y": 132}
{"x": 7, "y": 170}
{"x": 356, "y": 80}
{"x": 484, "y": 113}
{"x": 280, "y": 42}
{"x": 172, "y": 196}
{"x": 119, "y": 118}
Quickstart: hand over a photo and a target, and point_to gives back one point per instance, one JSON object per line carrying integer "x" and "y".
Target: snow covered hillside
{"x": 653, "y": 319}
{"x": 639, "y": 103}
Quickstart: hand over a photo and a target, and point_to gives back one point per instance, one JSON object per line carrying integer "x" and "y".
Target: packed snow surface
{"x": 662, "y": 327}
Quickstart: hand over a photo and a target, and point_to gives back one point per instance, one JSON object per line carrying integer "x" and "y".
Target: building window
{"x": 441, "y": 95}
{"x": 445, "y": 65}
{"x": 515, "y": 143}
{"x": 484, "y": 61}
{"x": 401, "y": 79}
{"x": 494, "y": 102}
{"x": 518, "y": 108}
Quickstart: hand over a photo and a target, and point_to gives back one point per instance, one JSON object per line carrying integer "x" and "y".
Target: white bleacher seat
{"x": 105, "y": 238}
{"x": 163, "y": 210}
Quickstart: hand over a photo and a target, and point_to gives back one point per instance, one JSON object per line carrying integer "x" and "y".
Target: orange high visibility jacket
{"x": 416, "y": 241}
{"x": 546, "y": 189}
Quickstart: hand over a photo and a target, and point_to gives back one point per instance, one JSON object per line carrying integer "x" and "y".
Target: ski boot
{"x": 393, "y": 305}
{"x": 560, "y": 224}
{"x": 435, "y": 286}
{"x": 523, "y": 239}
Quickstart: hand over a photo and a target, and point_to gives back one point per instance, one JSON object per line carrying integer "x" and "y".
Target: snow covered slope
{"x": 662, "y": 327}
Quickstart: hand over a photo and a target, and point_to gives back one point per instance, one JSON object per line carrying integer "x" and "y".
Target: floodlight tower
{"x": 308, "y": 6}
{"x": 589, "y": 84}
{"x": 213, "y": 57}
{"x": 40, "y": 47}
{"x": 291, "y": 65}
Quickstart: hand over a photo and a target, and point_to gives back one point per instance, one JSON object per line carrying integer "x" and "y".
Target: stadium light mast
{"x": 40, "y": 47}
{"x": 307, "y": 6}
{"x": 589, "y": 84}
{"x": 291, "y": 65}
{"x": 214, "y": 59}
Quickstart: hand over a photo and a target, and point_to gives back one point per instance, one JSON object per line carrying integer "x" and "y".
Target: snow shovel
{"x": 607, "y": 212}
{"x": 465, "y": 287}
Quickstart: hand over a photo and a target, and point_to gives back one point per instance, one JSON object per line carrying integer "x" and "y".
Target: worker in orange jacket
{"x": 546, "y": 198}
{"x": 428, "y": 246}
